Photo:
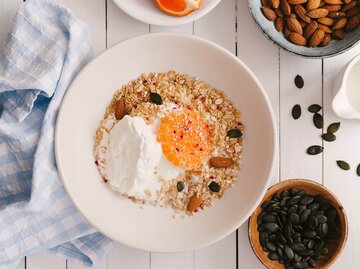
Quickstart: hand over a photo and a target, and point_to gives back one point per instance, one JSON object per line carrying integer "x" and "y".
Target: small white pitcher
{"x": 343, "y": 102}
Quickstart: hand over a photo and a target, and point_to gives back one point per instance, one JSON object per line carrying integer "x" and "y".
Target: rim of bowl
{"x": 271, "y": 168}
{"x": 269, "y": 37}
{"x": 313, "y": 183}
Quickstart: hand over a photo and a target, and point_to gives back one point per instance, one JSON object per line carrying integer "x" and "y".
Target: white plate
{"x": 153, "y": 228}
{"x": 147, "y": 11}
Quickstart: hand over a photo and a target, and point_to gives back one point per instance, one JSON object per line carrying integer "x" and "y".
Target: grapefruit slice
{"x": 178, "y": 8}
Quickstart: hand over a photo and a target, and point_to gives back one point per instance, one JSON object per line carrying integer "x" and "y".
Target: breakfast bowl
{"x": 145, "y": 226}
{"x": 333, "y": 48}
{"x": 148, "y": 12}
{"x": 321, "y": 202}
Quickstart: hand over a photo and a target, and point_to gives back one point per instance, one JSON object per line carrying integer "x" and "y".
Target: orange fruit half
{"x": 185, "y": 139}
{"x": 178, "y": 7}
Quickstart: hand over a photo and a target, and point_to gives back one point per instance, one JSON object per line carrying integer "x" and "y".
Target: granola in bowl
{"x": 171, "y": 140}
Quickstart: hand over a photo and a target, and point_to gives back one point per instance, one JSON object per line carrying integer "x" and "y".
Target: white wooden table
{"x": 231, "y": 26}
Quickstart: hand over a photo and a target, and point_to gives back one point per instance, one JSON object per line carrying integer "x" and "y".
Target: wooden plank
{"x": 7, "y": 13}
{"x": 262, "y": 57}
{"x": 298, "y": 135}
{"x": 122, "y": 257}
{"x": 219, "y": 25}
{"x": 91, "y": 12}
{"x": 219, "y": 255}
{"x": 345, "y": 184}
{"x": 183, "y": 29}
{"x": 120, "y": 26}
{"x": 43, "y": 260}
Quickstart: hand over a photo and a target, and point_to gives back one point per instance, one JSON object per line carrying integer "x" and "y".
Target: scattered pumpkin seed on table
{"x": 314, "y": 108}
{"x": 234, "y": 133}
{"x": 299, "y": 81}
{"x": 318, "y": 120}
{"x": 314, "y": 150}
{"x": 180, "y": 186}
{"x": 295, "y": 228}
{"x": 329, "y": 137}
{"x": 214, "y": 187}
{"x": 333, "y": 127}
{"x": 296, "y": 111}
{"x": 343, "y": 165}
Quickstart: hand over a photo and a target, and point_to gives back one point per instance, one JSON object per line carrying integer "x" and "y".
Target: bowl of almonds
{"x": 309, "y": 28}
{"x": 299, "y": 224}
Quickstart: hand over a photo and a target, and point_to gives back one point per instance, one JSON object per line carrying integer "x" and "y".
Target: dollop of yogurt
{"x": 134, "y": 161}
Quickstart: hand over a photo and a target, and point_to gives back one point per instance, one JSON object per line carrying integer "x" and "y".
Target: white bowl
{"x": 147, "y": 11}
{"x": 153, "y": 228}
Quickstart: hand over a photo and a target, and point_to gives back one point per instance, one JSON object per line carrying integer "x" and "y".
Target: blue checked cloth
{"x": 46, "y": 48}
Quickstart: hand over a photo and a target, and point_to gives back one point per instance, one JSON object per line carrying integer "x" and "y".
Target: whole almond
{"x": 332, "y": 8}
{"x": 285, "y": 7}
{"x": 325, "y": 28}
{"x": 349, "y": 6}
{"x": 318, "y": 13}
{"x": 301, "y": 12}
{"x": 265, "y": 3}
{"x": 348, "y": 1}
{"x": 316, "y": 38}
{"x": 338, "y": 34}
{"x": 279, "y": 24}
{"x": 220, "y": 162}
{"x": 313, "y": 4}
{"x": 326, "y": 40}
{"x": 297, "y": 2}
{"x": 337, "y": 14}
{"x": 286, "y": 31}
{"x": 310, "y": 29}
{"x": 340, "y": 24}
{"x": 194, "y": 203}
{"x": 352, "y": 23}
{"x": 294, "y": 25}
{"x": 353, "y": 12}
{"x": 274, "y": 3}
{"x": 326, "y": 21}
{"x": 334, "y": 2}
{"x": 269, "y": 13}
{"x": 297, "y": 39}
{"x": 120, "y": 109}
{"x": 278, "y": 12}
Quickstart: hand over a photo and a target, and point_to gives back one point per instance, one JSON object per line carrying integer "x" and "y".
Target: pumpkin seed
{"x": 310, "y": 244}
{"x": 266, "y": 204}
{"x": 306, "y": 200}
{"x": 296, "y": 112}
{"x": 299, "y": 81}
{"x": 321, "y": 218}
{"x": 273, "y": 238}
{"x": 318, "y": 121}
{"x": 294, "y": 218}
{"x": 297, "y": 257}
{"x": 156, "y": 98}
{"x": 276, "y": 197}
{"x": 234, "y": 133}
{"x": 280, "y": 252}
{"x": 285, "y": 193}
{"x": 293, "y": 200}
{"x": 273, "y": 256}
{"x": 293, "y": 209}
{"x": 180, "y": 186}
{"x": 305, "y": 215}
{"x": 270, "y": 246}
{"x": 318, "y": 245}
{"x": 317, "y": 256}
{"x": 300, "y": 265}
{"x": 301, "y": 193}
{"x": 333, "y": 127}
{"x": 314, "y": 206}
{"x": 284, "y": 200}
{"x": 314, "y": 108}
{"x": 343, "y": 165}
{"x": 293, "y": 191}
{"x": 312, "y": 262}
{"x": 358, "y": 170}
{"x": 306, "y": 252}
{"x": 214, "y": 187}
{"x": 329, "y": 137}
{"x": 263, "y": 238}
{"x": 271, "y": 227}
{"x": 260, "y": 218}
{"x": 298, "y": 247}
{"x": 324, "y": 251}
{"x": 309, "y": 234}
{"x": 289, "y": 252}
{"x": 314, "y": 150}
{"x": 269, "y": 218}
{"x": 325, "y": 228}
